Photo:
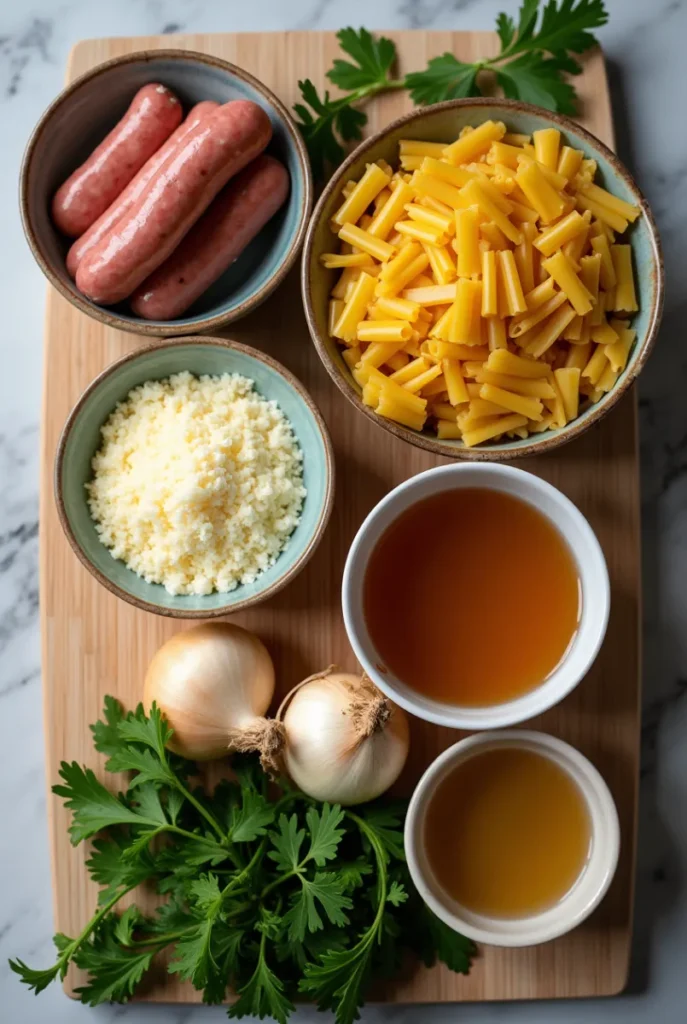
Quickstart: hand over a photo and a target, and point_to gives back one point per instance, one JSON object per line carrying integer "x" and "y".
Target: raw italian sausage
{"x": 179, "y": 193}
{"x": 152, "y": 117}
{"x": 241, "y": 209}
{"x": 136, "y": 187}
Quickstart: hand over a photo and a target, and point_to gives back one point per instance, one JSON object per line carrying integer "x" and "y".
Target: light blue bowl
{"x": 439, "y": 123}
{"x": 81, "y": 438}
{"x": 88, "y": 109}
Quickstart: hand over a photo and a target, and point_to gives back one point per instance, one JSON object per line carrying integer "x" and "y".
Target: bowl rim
{"x": 158, "y": 328}
{"x": 562, "y": 917}
{"x": 592, "y": 569}
{"x": 320, "y": 526}
{"x": 542, "y": 443}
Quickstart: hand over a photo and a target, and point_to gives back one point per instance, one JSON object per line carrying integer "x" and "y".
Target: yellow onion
{"x": 212, "y": 683}
{"x": 343, "y": 740}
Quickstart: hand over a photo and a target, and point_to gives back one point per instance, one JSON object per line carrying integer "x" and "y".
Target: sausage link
{"x": 232, "y": 220}
{"x": 180, "y": 192}
{"x": 153, "y": 115}
{"x": 136, "y": 187}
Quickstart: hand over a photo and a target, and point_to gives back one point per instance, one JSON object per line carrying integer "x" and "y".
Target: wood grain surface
{"x": 94, "y": 644}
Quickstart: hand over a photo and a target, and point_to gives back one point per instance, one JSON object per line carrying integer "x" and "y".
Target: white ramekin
{"x": 591, "y": 568}
{"x": 589, "y": 889}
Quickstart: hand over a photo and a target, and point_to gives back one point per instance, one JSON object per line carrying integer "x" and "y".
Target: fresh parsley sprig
{"x": 276, "y": 899}
{"x": 328, "y": 121}
{"x": 532, "y": 61}
{"x": 535, "y": 56}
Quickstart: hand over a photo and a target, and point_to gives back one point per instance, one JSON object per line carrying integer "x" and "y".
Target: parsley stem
{"x": 297, "y": 871}
{"x": 65, "y": 957}
{"x": 381, "y": 866}
{"x": 167, "y": 937}
{"x": 234, "y": 882}
{"x": 280, "y": 880}
{"x": 199, "y": 839}
{"x": 367, "y": 91}
{"x": 161, "y": 940}
{"x": 212, "y": 822}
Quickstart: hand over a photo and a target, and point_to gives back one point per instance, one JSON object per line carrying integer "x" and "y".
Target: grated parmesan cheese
{"x": 198, "y": 484}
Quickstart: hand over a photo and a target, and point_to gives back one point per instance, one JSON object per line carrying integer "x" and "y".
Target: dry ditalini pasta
{"x": 482, "y": 291}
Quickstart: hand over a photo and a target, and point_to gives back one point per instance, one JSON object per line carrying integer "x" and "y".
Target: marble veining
{"x": 645, "y": 49}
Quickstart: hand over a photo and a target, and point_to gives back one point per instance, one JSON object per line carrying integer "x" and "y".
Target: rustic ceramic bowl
{"x": 86, "y": 111}
{"x": 592, "y": 573}
{"x": 443, "y": 122}
{"x": 81, "y": 438}
{"x": 584, "y": 896}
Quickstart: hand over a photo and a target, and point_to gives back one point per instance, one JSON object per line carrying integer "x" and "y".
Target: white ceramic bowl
{"x": 591, "y": 568}
{"x": 590, "y": 887}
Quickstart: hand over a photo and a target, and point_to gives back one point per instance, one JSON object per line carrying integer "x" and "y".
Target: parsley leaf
{"x": 226, "y": 949}
{"x": 352, "y": 873}
{"x": 263, "y": 994}
{"x": 93, "y": 806}
{"x": 564, "y": 26}
{"x": 532, "y": 60}
{"x": 106, "y": 737}
{"x": 194, "y": 959}
{"x": 527, "y": 19}
{"x": 249, "y": 821}
{"x": 452, "y": 948}
{"x": 114, "y": 971}
{"x": 337, "y": 981}
{"x": 171, "y": 917}
{"x": 134, "y": 742}
{"x": 126, "y": 924}
{"x": 109, "y": 866}
{"x": 287, "y": 843}
{"x": 36, "y": 980}
{"x": 136, "y": 731}
{"x": 150, "y": 730}
{"x": 175, "y": 801}
{"x": 536, "y": 79}
{"x": 445, "y": 78}
{"x": 373, "y": 59}
{"x": 397, "y": 894}
{"x": 319, "y": 125}
{"x": 505, "y": 29}
{"x": 204, "y": 849}
{"x": 327, "y": 890}
{"x": 205, "y": 892}
{"x": 385, "y": 819}
{"x": 325, "y": 835}
{"x": 143, "y": 762}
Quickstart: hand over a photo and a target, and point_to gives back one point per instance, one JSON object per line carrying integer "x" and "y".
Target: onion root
{"x": 267, "y": 737}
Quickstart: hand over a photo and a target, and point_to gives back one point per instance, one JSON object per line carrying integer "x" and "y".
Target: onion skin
{"x": 209, "y": 681}
{"x": 329, "y": 761}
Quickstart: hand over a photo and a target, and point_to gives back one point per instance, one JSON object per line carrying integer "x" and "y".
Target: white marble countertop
{"x": 645, "y": 47}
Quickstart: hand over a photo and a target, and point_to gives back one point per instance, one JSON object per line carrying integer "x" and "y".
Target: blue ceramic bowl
{"x": 81, "y": 439}
{"x": 88, "y": 109}
{"x": 439, "y": 123}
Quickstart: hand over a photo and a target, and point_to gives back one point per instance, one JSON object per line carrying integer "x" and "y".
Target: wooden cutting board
{"x": 94, "y": 644}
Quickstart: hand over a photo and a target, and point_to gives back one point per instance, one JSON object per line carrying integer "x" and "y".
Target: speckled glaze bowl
{"x": 87, "y": 110}
{"x": 440, "y": 123}
{"x": 81, "y": 438}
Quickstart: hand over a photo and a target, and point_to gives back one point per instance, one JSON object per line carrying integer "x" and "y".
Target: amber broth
{"x": 507, "y": 833}
{"x": 471, "y": 597}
